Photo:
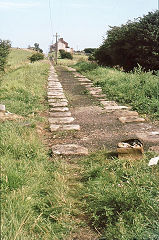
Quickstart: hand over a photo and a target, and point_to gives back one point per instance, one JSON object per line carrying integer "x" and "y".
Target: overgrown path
{"x": 101, "y": 128}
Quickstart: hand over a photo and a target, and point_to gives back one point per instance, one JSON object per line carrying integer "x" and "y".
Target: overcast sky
{"x": 82, "y": 23}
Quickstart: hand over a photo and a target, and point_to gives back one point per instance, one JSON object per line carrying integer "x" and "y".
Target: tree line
{"x": 132, "y": 44}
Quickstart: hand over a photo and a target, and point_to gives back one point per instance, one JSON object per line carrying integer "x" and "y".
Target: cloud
{"x": 11, "y": 5}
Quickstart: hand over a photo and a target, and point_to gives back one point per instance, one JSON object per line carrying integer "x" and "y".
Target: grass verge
{"x": 138, "y": 89}
{"x": 120, "y": 198}
{"x": 34, "y": 205}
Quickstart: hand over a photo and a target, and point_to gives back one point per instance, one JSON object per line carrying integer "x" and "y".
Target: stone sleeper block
{"x": 56, "y": 97}
{"x": 131, "y": 119}
{"x": 109, "y": 103}
{"x": 68, "y": 127}
{"x": 59, "y": 104}
{"x": 56, "y": 100}
{"x": 59, "y": 109}
{"x": 57, "y": 94}
{"x": 69, "y": 149}
{"x": 113, "y": 108}
{"x": 60, "y": 114}
{"x": 61, "y": 120}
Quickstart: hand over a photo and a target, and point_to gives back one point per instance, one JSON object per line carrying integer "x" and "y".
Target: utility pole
{"x": 56, "y": 50}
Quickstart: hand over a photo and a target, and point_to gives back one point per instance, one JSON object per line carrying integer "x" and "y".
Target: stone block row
{"x": 109, "y": 106}
{"x": 60, "y": 118}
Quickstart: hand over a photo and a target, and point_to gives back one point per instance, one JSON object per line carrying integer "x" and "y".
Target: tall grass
{"x": 138, "y": 89}
{"x": 23, "y": 89}
{"x": 33, "y": 201}
{"x": 121, "y": 197}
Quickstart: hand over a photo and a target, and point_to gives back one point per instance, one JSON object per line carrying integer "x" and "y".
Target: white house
{"x": 62, "y": 45}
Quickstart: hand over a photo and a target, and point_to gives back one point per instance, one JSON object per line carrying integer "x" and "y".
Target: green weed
{"x": 121, "y": 197}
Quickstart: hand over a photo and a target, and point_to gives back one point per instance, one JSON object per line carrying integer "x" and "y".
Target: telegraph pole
{"x": 56, "y": 50}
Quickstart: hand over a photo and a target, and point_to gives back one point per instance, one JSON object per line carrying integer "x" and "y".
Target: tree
{"x": 37, "y": 48}
{"x": 136, "y": 42}
{"x": 5, "y": 46}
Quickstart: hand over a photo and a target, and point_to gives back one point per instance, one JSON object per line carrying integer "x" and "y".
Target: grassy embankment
{"x": 32, "y": 196}
{"x": 43, "y": 199}
{"x": 138, "y": 89}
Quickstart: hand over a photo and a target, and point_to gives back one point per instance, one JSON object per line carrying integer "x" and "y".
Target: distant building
{"x": 62, "y": 45}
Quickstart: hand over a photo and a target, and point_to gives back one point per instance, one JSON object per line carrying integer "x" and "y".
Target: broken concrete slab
{"x": 66, "y": 127}
{"x": 69, "y": 149}
{"x": 131, "y": 119}
{"x": 60, "y": 114}
{"x": 148, "y": 136}
{"x": 59, "y": 109}
{"x": 62, "y": 120}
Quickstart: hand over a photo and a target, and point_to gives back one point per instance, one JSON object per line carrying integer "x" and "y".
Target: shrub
{"x": 85, "y": 66}
{"x": 89, "y": 50}
{"x": 36, "y": 57}
{"x": 136, "y": 42}
{"x": 4, "y": 51}
{"x": 65, "y": 54}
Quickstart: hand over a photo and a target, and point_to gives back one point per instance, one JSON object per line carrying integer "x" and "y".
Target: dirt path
{"x": 100, "y": 128}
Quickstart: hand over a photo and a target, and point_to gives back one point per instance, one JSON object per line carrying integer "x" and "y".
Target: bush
{"x": 65, "y": 54}
{"x": 36, "y": 57}
{"x": 4, "y": 51}
{"x": 136, "y": 42}
{"x": 85, "y": 66}
{"x": 89, "y": 50}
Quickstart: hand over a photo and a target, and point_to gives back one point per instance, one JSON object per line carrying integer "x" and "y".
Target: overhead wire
{"x": 51, "y": 22}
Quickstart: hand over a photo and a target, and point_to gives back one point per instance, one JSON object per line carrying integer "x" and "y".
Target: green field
{"x": 50, "y": 198}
